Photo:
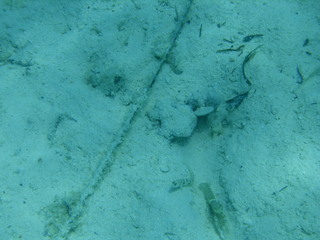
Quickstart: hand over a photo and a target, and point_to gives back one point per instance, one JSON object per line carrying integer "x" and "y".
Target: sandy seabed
{"x": 161, "y": 119}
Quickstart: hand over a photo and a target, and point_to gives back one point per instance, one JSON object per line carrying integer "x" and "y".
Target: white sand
{"x": 89, "y": 150}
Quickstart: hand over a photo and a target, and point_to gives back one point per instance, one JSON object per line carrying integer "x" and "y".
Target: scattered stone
{"x": 176, "y": 120}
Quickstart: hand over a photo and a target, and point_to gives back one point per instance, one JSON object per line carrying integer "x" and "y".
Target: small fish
{"x": 250, "y": 37}
{"x": 245, "y": 61}
{"x": 235, "y": 102}
{"x": 300, "y": 77}
{"x": 182, "y": 182}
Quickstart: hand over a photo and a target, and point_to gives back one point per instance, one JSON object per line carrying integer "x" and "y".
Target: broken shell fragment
{"x": 202, "y": 111}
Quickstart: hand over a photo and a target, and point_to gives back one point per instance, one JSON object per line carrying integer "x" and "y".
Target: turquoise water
{"x": 159, "y": 119}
